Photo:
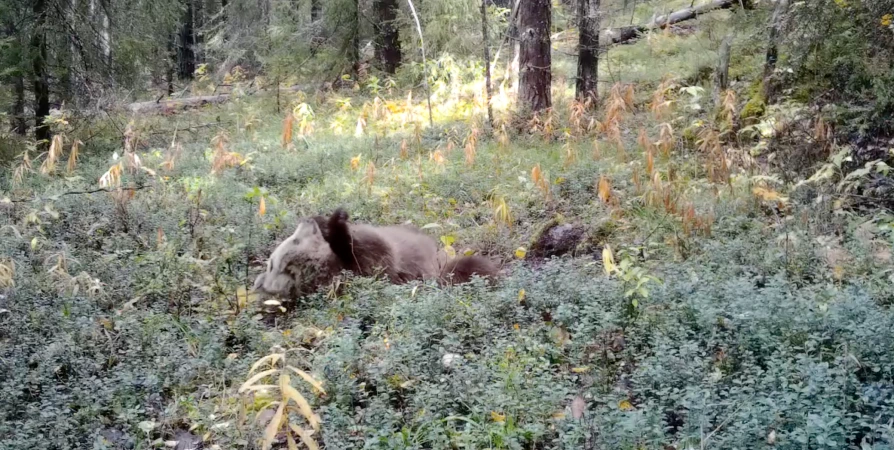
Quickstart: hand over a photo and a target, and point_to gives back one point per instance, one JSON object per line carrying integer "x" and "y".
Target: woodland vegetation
{"x": 691, "y": 201}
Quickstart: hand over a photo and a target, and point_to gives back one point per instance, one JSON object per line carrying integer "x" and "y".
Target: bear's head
{"x": 300, "y": 264}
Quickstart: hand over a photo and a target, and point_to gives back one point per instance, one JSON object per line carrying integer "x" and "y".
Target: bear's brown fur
{"x": 321, "y": 248}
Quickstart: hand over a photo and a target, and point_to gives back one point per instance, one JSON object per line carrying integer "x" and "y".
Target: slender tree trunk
{"x": 315, "y": 10}
{"x": 355, "y": 40}
{"x": 773, "y": 49}
{"x": 18, "y": 123}
{"x": 586, "y": 87}
{"x": 14, "y": 76}
{"x": 199, "y": 29}
{"x": 105, "y": 34}
{"x": 186, "y": 57}
{"x": 486, "y": 44}
{"x": 535, "y": 60}
{"x": 387, "y": 35}
{"x": 39, "y": 75}
{"x": 721, "y": 73}
{"x": 172, "y": 63}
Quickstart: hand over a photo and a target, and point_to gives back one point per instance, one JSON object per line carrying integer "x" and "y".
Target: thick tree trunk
{"x": 387, "y": 52}
{"x": 624, "y": 34}
{"x": 486, "y": 44}
{"x": 773, "y": 49}
{"x": 39, "y": 75}
{"x": 535, "y": 58}
{"x": 588, "y": 51}
{"x": 186, "y": 57}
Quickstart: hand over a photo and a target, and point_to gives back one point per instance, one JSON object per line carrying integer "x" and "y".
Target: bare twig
{"x": 94, "y": 191}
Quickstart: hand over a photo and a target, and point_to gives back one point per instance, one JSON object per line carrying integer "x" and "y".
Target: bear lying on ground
{"x": 321, "y": 248}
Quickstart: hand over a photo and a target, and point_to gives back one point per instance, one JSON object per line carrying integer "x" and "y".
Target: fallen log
{"x": 620, "y": 35}
{"x": 179, "y": 104}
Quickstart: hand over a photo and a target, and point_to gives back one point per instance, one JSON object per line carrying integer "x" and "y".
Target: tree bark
{"x": 586, "y": 87}
{"x": 387, "y": 36}
{"x": 773, "y": 49}
{"x": 199, "y": 30}
{"x": 535, "y": 58}
{"x": 721, "y": 72}
{"x": 315, "y": 10}
{"x": 355, "y": 40}
{"x": 487, "y": 81}
{"x": 186, "y": 57}
{"x": 18, "y": 123}
{"x": 39, "y": 75}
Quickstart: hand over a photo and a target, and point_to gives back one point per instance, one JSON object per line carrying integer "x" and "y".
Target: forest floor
{"x": 702, "y": 302}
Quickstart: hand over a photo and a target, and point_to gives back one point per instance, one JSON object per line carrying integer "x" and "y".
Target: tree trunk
{"x": 171, "y": 63}
{"x": 315, "y": 10}
{"x": 487, "y": 81}
{"x": 773, "y": 49}
{"x": 387, "y": 36}
{"x": 186, "y": 57}
{"x": 105, "y": 38}
{"x": 18, "y": 123}
{"x": 355, "y": 40}
{"x": 199, "y": 30}
{"x": 39, "y": 74}
{"x": 624, "y": 34}
{"x": 721, "y": 73}
{"x": 535, "y": 58}
{"x": 586, "y": 88}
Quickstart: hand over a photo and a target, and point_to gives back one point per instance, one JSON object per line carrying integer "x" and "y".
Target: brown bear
{"x": 321, "y": 248}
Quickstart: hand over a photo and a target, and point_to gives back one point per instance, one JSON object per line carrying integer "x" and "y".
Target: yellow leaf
{"x": 273, "y": 358}
{"x": 521, "y": 295}
{"x": 451, "y": 252}
{"x": 608, "y": 260}
{"x": 355, "y": 162}
{"x": 583, "y": 369}
{"x": 262, "y": 208}
{"x": 516, "y": 327}
{"x": 497, "y": 417}
{"x": 292, "y": 394}
{"x": 604, "y": 189}
{"x": 34, "y": 243}
{"x": 559, "y": 415}
{"x": 273, "y": 427}
{"x": 306, "y": 377}
{"x": 245, "y": 386}
{"x": 305, "y": 436}
{"x": 625, "y": 405}
{"x": 469, "y": 252}
{"x": 261, "y": 387}
{"x": 291, "y": 442}
{"x": 520, "y": 253}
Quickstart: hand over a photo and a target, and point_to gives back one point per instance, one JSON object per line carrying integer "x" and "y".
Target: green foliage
{"x": 842, "y": 49}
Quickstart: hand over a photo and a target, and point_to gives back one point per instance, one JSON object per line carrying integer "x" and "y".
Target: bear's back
{"x": 415, "y": 253}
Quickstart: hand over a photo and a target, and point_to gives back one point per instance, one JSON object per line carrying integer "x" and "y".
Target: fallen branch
{"x": 94, "y": 191}
{"x": 620, "y": 35}
{"x": 169, "y": 106}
